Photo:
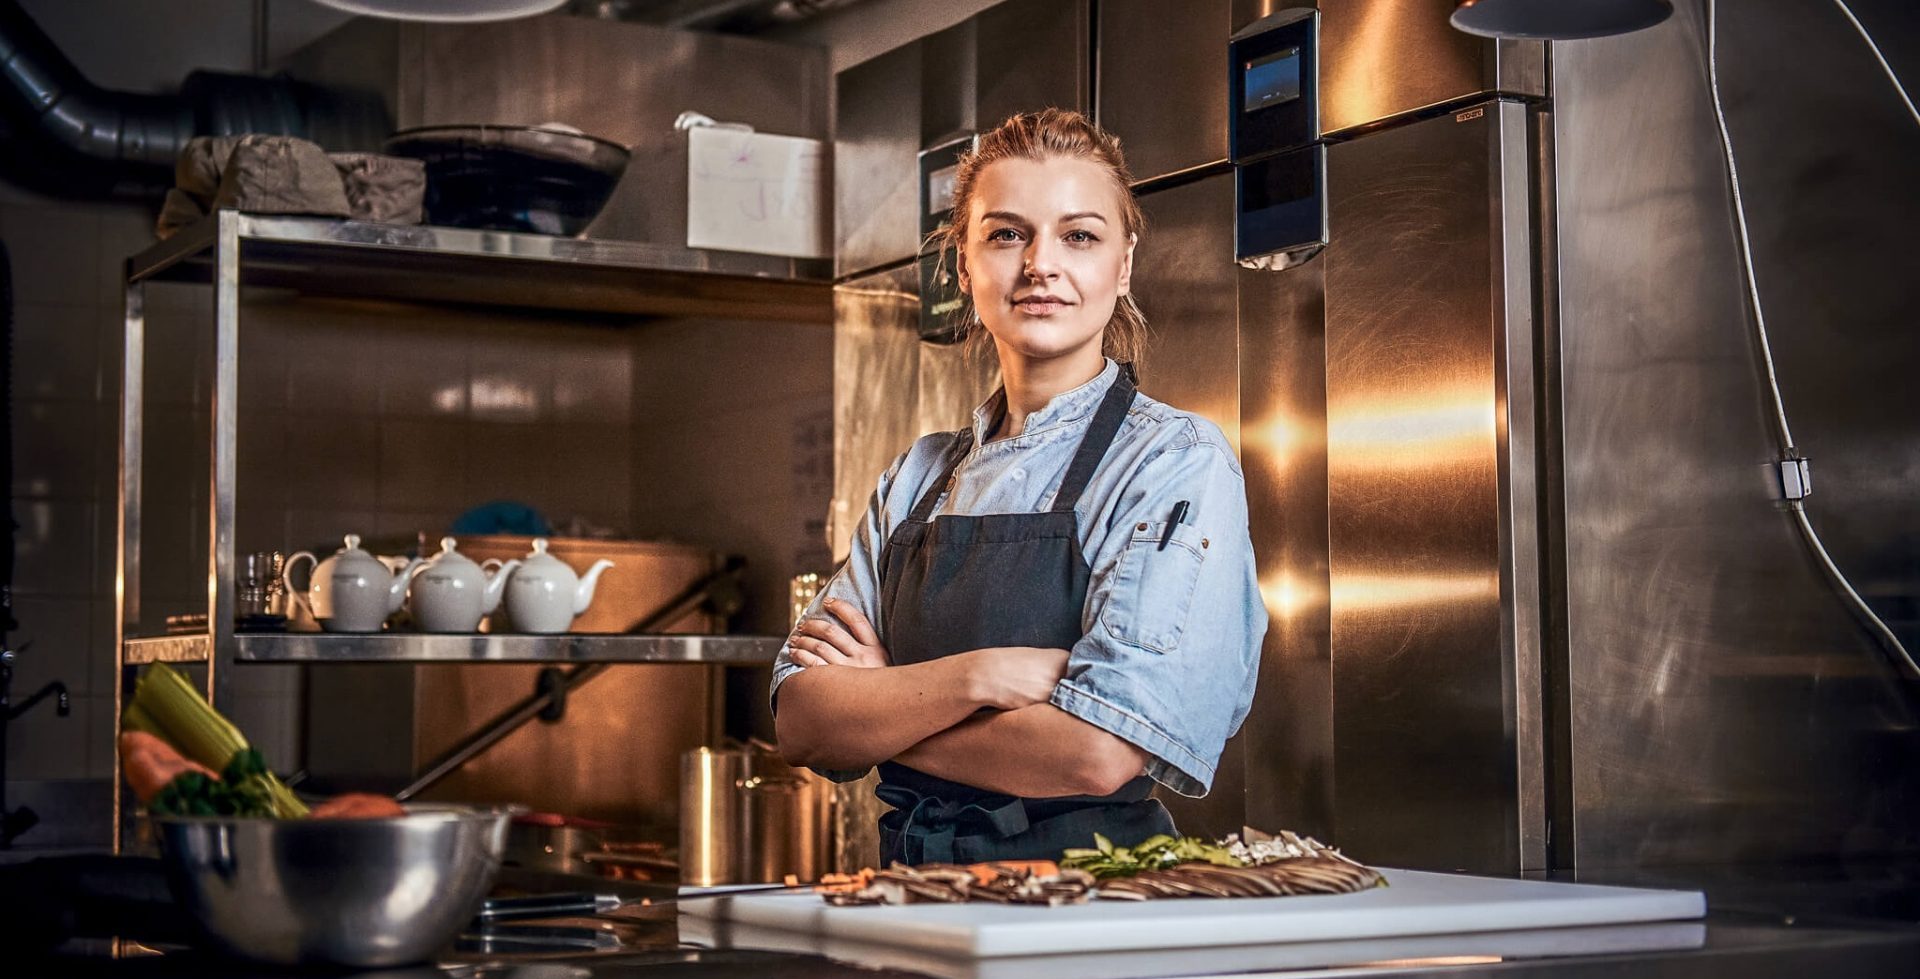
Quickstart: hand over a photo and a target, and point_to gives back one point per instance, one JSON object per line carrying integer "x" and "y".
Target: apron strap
{"x": 1094, "y": 445}
{"x": 923, "y": 510}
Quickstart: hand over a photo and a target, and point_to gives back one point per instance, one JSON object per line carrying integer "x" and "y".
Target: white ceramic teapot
{"x": 451, "y": 593}
{"x": 544, "y": 594}
{"x": 350, "y": 591}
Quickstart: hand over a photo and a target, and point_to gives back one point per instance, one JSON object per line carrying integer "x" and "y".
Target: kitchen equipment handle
{"x": 298, "y": 596}
{"x": 547, "y": 906}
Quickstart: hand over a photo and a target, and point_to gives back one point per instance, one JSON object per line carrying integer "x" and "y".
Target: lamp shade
{"x": 1558, "y": 20}
{"x": 445, "y": 11}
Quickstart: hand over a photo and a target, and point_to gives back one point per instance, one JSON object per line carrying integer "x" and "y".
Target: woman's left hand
{"x": 820, "y": 641}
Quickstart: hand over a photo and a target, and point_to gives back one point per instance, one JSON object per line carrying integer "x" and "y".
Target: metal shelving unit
{"x": 319, "y": 256}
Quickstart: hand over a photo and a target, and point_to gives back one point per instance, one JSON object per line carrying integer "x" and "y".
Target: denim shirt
{"x": 1172, "y": 635}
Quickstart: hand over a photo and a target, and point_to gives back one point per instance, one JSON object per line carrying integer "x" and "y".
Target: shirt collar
{"x": 1067, "y": 406}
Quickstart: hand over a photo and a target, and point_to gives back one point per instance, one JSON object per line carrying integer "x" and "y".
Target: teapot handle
{"x": 298, "y": 596}
{"x": 491, "y": 564}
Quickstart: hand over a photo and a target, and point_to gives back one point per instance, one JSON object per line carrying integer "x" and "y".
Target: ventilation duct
{"x": 67, "y": 137}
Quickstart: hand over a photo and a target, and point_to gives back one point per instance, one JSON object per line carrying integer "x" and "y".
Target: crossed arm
{"x": 981, "y": 718}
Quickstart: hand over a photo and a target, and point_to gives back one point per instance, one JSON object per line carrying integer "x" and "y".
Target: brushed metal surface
{"x": 615, "y": 752}
{"x": 1161, "y": 82}
{"x": 1380, "y": 60}
{"x": 948, "y": 59}
{"x": 335, "y": 891}
{"x": 460, "y": 265}
{"x": 1283, "y": 450}
{"x": 876, "y": 370}
{"x": 323, "y": 647}
{"x": 1422, "y": 512}
{"x": 876, "y": 137}
{"x": 1725, "y": 706}
{"x": 1184, "y": 280}
{"x": 354, "y": 892}
{"x": 1032, "y": 54}
{"x": 953, "y": 380}
{"x": 621, "y": 81}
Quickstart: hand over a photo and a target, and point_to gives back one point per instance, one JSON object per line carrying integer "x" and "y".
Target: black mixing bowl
{"x": 513, "y": 178}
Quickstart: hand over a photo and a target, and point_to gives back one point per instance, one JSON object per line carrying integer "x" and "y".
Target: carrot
{"x": 151, "y": 763}
{"x": 358, "y": 805}
{"x": 986, "y": 872}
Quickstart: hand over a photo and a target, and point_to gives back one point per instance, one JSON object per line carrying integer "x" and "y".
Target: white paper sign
{"x": 750, "y": 192}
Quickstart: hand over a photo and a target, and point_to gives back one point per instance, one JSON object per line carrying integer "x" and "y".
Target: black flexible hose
{"x": 7, "y": 621}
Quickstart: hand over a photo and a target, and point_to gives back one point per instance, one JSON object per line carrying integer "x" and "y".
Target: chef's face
{"x": 1046, "y": 256}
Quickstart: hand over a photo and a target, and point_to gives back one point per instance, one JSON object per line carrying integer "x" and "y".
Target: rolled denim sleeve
{"x": 856, "y": 582}
{"x": 1172, "y": 643}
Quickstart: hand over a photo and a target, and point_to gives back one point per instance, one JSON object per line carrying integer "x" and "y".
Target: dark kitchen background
{"x": 1537, "y": 599}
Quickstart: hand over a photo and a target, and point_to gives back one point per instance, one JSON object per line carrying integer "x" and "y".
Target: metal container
{"x": 747, "y": 817}
{"x": 349, "y": 892}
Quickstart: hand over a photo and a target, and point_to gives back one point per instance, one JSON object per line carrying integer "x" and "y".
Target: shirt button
{"x": 1019, "y": 474}
{"x": 1140, "y": 526}
{"x": 1203, "y": 543}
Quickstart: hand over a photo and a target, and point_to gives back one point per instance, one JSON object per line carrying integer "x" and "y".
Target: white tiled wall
{"x": 64, "y": 363}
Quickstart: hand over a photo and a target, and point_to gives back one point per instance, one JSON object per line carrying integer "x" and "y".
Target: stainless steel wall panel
{"x": 1379, "y": 61}
{"x": 953, "y": 380}
{"x": 876, "y": 192}
{"x": 1827, "y": 171}
{"x": 1725, "y": 706}
{"x": 1031, "y": 54}
{"x": 1421, "y": 507}
{"x": 876, "y": 369}
{"x": 1184, "y": 281}
{"x": 1283, "y": 450}
{"x": 622, "y": 81}
{"x": 947, "y": 82}
{"x": 1161, "y": 81}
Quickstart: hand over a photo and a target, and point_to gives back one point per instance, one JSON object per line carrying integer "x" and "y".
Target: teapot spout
{"x": 403, "y": 577}
{"x": 583, "y": 593}
{"x": 497, "y": 584}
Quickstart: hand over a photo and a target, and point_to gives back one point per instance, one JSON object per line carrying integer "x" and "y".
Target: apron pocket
{"x": 1153, "y": 587}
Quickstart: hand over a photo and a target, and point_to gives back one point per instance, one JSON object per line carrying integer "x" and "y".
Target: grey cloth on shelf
{"x": 286, "y": 175}
{"x": 388, "y": 189}
{"x": 281, "y": 175}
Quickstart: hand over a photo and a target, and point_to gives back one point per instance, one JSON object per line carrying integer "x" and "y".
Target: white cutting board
{"x": 1657, "y": 936}
{"x": 1415, "y": 903}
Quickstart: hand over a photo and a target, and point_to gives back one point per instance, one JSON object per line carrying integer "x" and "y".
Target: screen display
{"x": 1272, "y": 79}
{"x": 940, "y": 189}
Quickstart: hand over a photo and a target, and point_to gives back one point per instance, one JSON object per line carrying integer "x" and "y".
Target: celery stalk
{"x": 167, "y": 706}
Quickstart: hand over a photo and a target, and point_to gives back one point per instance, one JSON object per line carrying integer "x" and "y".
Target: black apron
{"x": 955, "y": 583}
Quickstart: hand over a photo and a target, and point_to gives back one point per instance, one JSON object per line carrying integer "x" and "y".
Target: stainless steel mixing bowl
{"x": 357, "y": 892}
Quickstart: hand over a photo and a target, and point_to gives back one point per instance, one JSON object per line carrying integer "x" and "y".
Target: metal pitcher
{"x": 746, "y": 816}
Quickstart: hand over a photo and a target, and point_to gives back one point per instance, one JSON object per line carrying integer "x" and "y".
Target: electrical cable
{"x": 1789, "y": 453}
{"x": 1877, "y": 56}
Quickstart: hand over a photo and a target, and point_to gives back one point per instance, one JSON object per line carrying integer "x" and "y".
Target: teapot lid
{"x": 449, "y": 554}
{"x": 539, "y": 556}
{"x": 353, "y": 543}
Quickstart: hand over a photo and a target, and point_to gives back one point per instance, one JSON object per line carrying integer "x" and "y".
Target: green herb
{"x": 1154, "y": 853}
{"x": 242, "y": 790}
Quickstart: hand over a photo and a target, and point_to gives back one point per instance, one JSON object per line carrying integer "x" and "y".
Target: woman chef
{"x": 1044, "y": 614}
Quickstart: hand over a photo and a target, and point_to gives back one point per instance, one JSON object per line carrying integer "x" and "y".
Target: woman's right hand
{"x": 1012, "y": 677}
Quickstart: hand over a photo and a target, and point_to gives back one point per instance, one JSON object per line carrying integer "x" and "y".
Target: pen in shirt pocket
{"x": 1179, "y": 514}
